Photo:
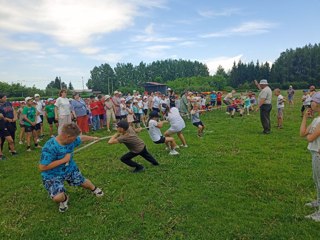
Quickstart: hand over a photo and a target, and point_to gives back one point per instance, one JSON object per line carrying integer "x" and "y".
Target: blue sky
{"x": 42, "y": 39}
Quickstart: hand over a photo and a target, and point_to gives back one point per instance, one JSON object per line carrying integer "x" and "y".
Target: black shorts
{"x": 37, "y": 126}
{"x": 219, "y": 103}
{"x": 41, "y": 116}
{"x": 101, "y": 116}
{"x": 4, "y": 133}
{"x": 161, "y": 140}
{"x": 29, "y": 129}
{"x": 197, "y": 124}
{"x": 118, "y": 117}
{"x": 123, "y": 117}
{"x": 52, "y": 120}
{"x": 145, "y": 111}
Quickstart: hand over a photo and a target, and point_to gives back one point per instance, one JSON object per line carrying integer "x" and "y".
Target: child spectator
{"x": 219, "y": 100}
{"x": 95, "y": 111}
{"x": 312, "y": 134}
{"x": 155, "y": 134}
{"x": 123, "y": 109}
{"x": 195, "y": 118}
{"x": 305, "y": 101}
{"x": 21, "y": 122}
{"x": 50, "y": 115}
{"x": 29, "y": 116}
{"x": 57, "y": 165}
{"x": 247, "y": 104}
{"x": 280, "y": 106}
{"x": 128, "y": 136}
{"x": 213, "y": 98}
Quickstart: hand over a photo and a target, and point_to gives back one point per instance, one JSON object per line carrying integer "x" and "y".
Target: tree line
{"x": 299, "y": 67}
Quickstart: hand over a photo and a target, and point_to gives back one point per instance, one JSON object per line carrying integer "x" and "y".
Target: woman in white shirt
{"x": 176, "y": 123}
{"x": 63, "y": 110}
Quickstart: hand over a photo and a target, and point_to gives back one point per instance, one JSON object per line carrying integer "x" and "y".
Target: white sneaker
{"x": 98, "y": 192}
{"x": 63, "y": 206}
{"x": 29, "y": 150}
{"x": 176, "y": 147}
{"x": 173, "y": 152}
{"x": 167, "y": 149}
{"x": 20, "y": 142}
{"x": 314, "y": 216}
{"x": 184, "y": 146}
{"x": 313, "y": 204}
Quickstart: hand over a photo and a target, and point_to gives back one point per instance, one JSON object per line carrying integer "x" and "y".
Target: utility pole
{"x": 82, "y": 83}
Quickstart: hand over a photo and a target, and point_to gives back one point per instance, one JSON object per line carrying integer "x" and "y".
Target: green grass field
{"x": 234, "y": 183}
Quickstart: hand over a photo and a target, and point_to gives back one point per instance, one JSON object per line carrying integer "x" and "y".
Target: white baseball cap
{"x": 263, "y": 81}
{"x": 27, "y": 99}
{"x": 36, "y": 95}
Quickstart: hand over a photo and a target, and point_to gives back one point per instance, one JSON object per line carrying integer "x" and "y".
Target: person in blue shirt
{"x": 57, "y": 165}
{"x": 213, "y": 98}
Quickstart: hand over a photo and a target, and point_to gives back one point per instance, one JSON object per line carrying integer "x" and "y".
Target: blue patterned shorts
{"x": 55, "y": 185}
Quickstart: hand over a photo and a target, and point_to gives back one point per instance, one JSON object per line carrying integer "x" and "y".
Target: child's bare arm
{"x": 304, "y": 130}
{"x": 113, "y": 139}
{"x": 85, "y": 138}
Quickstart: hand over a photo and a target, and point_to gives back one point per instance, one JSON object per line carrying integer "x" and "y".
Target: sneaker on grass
{"x": 184, "y": 146}
{"x": 173, "y": 152}
{"x": 314, "y": 216}
{"x": 98, "y": 192}
{"x": 137, "y": 170}
{"x": 63, "y": 206}
{"x": 312, "y": 204}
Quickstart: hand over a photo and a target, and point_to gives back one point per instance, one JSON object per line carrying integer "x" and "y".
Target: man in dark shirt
{"x": 10, "y": 117}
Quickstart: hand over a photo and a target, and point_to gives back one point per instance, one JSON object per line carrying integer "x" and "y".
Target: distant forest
{"x": 299, "y": 67}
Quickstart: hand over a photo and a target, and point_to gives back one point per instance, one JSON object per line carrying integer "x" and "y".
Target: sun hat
{"x": 115, "y": 92}
{"x": 36, "y": 95}
{"x": 27, "y": 99}
{"x": 107, "y": 96}
{"x": 263, "y": 81}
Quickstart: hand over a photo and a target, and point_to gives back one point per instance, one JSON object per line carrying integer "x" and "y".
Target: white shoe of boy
{"x": 63, "y": 206}
{"x": 314, "y": 216}
{"x": 173, "y": 152}
{"x": 313, "y": 204}
{"x": 98, "y": 192}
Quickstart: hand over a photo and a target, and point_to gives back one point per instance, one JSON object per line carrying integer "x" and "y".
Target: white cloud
{"x": 155, "y": 52}
{"x": 70, "y": 22}
{"x": 109, "y": 58}
{"x": 247, "y": 28}
{"x": 7, "y": 43}
{"x": 150, "y": 35}
{"x": 225, "y": 62}
{"x": 222, "y": 13}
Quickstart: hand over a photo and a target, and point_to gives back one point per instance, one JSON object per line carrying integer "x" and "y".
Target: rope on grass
{"x": 90, "y": 144}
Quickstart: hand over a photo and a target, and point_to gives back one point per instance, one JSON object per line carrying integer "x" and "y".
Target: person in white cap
{"x": 264, "y": 104}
